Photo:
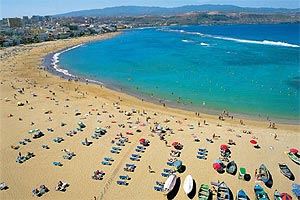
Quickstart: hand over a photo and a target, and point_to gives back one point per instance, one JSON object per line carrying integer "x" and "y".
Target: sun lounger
{"x": 127, "y": 169}
{"x": 114, "y": 151}
{"x": 170, "y": 163}
{"x": 21, "y": 159}
{"x": 122, "y": 183}
{"x": 140, "y": 147}
{"x": 165, "y": 174}
{"x": 159, "y": 189}
{"x": 130, "y": 165}
{"x": 116, "y": 148}
{"x": 201, "y": 152}
{"x": 108, "y": 159}
{"x": 201, "y": 156}
{"x": 202, "y": 149}
{"x": 134, "y": 159}
{"x": 94, "y": 136}
{"x": 120, "y": 144}
{"x": 167, "y": 170}
{"x": 135, "y": 155}
{"x": 159, "y": 183}
{"x": 67, "y": 157}
{"x": 139, "y": 151}
{"x": 57, "y": 163}
{"x": 124, "y": 177}
{"x": 45, "y": 146}
{"x": 27, "y": 140}
{"x": 209, "y": 140}
{"x": 58, "y": 139}
{"x": 35, "y": 192}
{"x": 105, "y": 163}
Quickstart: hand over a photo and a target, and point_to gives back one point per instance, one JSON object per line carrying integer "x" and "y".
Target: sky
{"x": 19, "y": 8}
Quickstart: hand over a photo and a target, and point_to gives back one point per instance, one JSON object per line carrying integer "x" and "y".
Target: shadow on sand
{"x": 173, "y": 193}
{"x": 192, "y": 194}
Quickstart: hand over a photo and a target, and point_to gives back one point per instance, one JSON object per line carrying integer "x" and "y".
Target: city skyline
{"x": 19, "y": 8}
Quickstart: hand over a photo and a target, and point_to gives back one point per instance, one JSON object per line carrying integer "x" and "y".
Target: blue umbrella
{"x": 177, "y": 164}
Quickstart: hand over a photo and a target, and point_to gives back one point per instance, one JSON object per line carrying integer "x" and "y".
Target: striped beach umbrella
{"x": 285, "y": 196}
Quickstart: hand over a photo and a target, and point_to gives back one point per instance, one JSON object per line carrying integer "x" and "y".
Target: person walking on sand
{"x": 150, "y": 169}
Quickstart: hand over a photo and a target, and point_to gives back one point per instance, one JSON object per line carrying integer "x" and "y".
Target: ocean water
{"x": 249, "y": 70}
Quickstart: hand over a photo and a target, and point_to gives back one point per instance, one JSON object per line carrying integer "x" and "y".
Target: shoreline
{"x": 48, "y": 64}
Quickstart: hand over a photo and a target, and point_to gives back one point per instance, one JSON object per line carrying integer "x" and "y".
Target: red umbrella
{"x": 142, "y": 140}
{"x": 285, "y": 196}
{"x": 293, "y": 150}
{"x": 217, "y": 166}
{"x": 175, "y": 144}
{"x": 224, "y": 147}
{"x": 253, "y": 141}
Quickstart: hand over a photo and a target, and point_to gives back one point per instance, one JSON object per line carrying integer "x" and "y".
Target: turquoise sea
{"x": 250, "y": 70}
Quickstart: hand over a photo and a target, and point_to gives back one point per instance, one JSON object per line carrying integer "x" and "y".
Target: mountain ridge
{"x": 126, "y": 11}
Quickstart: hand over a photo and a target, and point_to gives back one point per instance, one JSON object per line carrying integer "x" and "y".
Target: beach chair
{"x": 130, "y": 165}
{"x": 57, "y": 163}
{"x": 108, "y": 159}
{"x": 201, "y": 152}
{"x": 165, "y": 175}
{"x": 202, "y": 149}
{"x": 94, "y": 136}
{"x": 242, "y": 173}
{"x": 134, "y": 159}
{"x": 124, "y": 177}
{"x": 135, "y": 155}
{"x": 122, "y": 183}
{"x": 170, "y": 163}
{"x": 114, "y": 151}
{"x": 27, "y": 140}
{"x": 67, "y": 157}
{"x": 35, "y": 192}
{"x": 159, "y": 189}
{"x": 139, "y": 150}
{"x": 120, "y": 144}
{"x": 159, "y": 183}
{"x": 105, "y": 163}
{"x": 201, "y": 156}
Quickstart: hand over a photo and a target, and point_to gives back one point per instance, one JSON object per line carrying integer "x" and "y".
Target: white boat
{"x": 188, "y": 184}
{"x": 170, "y": 183}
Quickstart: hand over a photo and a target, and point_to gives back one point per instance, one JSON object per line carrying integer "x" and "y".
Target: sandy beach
{"x": 32, "y": 98}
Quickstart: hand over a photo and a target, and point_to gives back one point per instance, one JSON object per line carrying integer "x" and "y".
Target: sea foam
{"x": 264, "y": 42}
{"x": 55, "y": 61}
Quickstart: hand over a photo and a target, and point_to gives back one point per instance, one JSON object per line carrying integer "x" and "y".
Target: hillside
{"x": 126, "y": 11}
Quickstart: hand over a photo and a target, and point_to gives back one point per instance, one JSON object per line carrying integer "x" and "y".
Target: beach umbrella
{"x": 217, "y": 166}
{"x": 285, "y": 196}
{"x": 177, "y": 164}
{"x": 142, "y": 140}
{"x": 224, "y": 147}
{"x": 175, "y": 144}
{"x": 253, "y": 141}
{"x": 293, "y": 150}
